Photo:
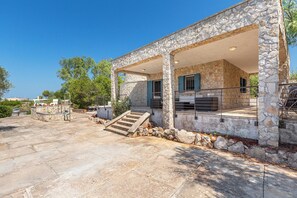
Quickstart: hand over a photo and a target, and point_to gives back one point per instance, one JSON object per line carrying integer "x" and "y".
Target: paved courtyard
{"x": 78, "y": 159}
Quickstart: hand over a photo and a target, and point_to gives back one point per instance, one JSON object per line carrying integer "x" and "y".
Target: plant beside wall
{"x": 121, "y": 106}
{"x": 5, "y": 111}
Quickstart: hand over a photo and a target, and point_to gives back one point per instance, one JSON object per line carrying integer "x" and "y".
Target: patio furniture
{"x": 207, "y": 104}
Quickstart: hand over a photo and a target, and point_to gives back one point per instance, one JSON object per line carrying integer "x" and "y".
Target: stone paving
{"x": 79, "y": 159}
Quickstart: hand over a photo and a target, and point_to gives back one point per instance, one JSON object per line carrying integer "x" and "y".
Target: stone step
{"x": 132, "y": 120}
{"x": 115, "y": 130}
{"x": 133, "y": 116}
{"x": 120, "y": 126}
{"x": 137, "y": 113}
{"x": 122, "y": 122}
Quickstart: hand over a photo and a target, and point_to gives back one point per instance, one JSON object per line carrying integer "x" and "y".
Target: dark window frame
{"x": 189, "y": 86}
{"x": 243, "y": 85}
{"x": 157, "y": 93}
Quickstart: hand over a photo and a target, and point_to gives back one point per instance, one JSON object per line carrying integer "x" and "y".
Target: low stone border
{"x": 266, "y": 154}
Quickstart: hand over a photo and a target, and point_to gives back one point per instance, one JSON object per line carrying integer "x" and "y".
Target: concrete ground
{"x": 78, "y": 159}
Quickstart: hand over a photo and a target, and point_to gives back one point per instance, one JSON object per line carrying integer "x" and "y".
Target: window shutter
{"x": 161, "y": 82}
{"x": 181, "y": 83}
{"x": 197, "y": 81}
{"x": 149, "y": 92}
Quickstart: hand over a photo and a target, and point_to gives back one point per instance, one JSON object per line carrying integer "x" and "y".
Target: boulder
{"x": 231, "y": 142}
{"x": 185, "y": 137}
{"x": 140, "y": 129}
{"x": 292, "y": 160}
{"x": 206, "y": 141}
{"x": 237, "y": 147}
{"x": 283, "y": 155}
{"x": 198, "y": 139}
{"x": 221, "y": 143}
{"x": 273, "y": 157}
{"x": 256, "y": 152}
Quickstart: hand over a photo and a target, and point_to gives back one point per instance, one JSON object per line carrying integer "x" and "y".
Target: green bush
{"x": 11, "y": 103}
{"x": 121, "y": 106}
{"x": 5, "y": 111}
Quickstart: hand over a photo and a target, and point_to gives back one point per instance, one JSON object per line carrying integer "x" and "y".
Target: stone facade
{"x": 264, "y": 15}
{"x": 135, "y": 87}
{"x": 233, "y": 126}
{"x": 214, "y": 75}
{"x": 233, "y": 98}
{"x": 288, "y": 134}
{"x": 52, "y": 113}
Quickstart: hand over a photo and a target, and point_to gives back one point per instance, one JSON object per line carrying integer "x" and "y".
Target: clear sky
{"x": 36, "y": 34}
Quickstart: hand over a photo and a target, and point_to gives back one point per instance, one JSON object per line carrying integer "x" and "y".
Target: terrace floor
{"x": 79, "y": 159}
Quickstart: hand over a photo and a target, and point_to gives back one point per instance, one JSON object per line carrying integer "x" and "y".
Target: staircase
{"x": 127, "y": 123}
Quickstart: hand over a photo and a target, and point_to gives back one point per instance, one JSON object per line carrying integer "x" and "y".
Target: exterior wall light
{"x": 233, "y": 48}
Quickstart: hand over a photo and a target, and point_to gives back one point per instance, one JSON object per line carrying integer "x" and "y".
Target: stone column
{"x": 114, "y": 84}
{"x": 269, "y": 80}
{"x": 168, "y": 91}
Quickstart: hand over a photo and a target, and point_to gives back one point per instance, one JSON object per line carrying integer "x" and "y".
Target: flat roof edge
{"x": 200, "y": 21}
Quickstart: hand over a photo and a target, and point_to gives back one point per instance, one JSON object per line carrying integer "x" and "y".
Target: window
{"x": 189, "y": 83}
{"x": 157, "y": 88}
{"x": 242, "y": 85}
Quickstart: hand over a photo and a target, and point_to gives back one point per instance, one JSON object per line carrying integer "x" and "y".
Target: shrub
{"x": 11, "y": 103}
{"x": 5, "y": 111}
{"x": 121, "y": 106}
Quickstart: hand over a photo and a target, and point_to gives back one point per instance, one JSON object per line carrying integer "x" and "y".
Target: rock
{"x": 283, "y": 155}
{"x": 170, "y": 137}
{"x": 140, "y": 129}
{"x": 292, "y": 160}
{"x": 198, "y": 139}
{"x": 221, "y": 143}
{"x": 256, "y": 152}
{"x": 206, "y": 141}
{"x": 213, "y": 138}
{"x": 237, "y": 147}
{"x": 145, "y": 132}
{"x": 150, "y": 131}
{"x": 169, "y": 132}
{"x": 185, "y": 137}
{"x": 273, "y": 157}
{"x": 231, "y": 142}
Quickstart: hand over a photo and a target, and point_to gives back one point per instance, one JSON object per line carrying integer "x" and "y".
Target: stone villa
{"x": 198, "y": 78}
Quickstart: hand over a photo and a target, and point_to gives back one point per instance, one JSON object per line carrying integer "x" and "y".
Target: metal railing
{"x": 156, "y": 102}
{"x": 288, "y": 101}
{"x": 233, "y": 101}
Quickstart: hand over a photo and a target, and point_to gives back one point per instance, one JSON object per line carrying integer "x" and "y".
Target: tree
{"x": 254, "y": 83}
{"x": 60, "y": 94}
{"x": 82, "y": 91}
{"x": 290, "y": 16}
{"x": 5, "y": 85}
{"x": 75, "y": 68}
{"x": 293, "y": 76}
{"x": 103, "y": 68}
{"x": 46, "y": 93}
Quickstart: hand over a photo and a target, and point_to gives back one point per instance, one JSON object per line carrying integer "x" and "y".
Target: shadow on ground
{"x": 7, "y": 128}
{"x": 228, "y": 176}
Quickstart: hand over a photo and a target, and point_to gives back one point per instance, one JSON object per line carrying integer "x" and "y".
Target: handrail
{"x": 139, "y": 122}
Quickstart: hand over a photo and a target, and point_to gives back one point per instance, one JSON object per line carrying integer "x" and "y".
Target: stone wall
{"x": 215, "y": 75}
{"x": 240, "y": 127}
{"x": 135, "y": 87}
{"x": 233, "y": 98}
{"x": 46, "y": 117}
{"x": 289, "y": 133}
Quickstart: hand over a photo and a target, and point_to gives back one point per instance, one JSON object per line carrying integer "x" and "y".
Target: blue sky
{"x": 35, "y": 35}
